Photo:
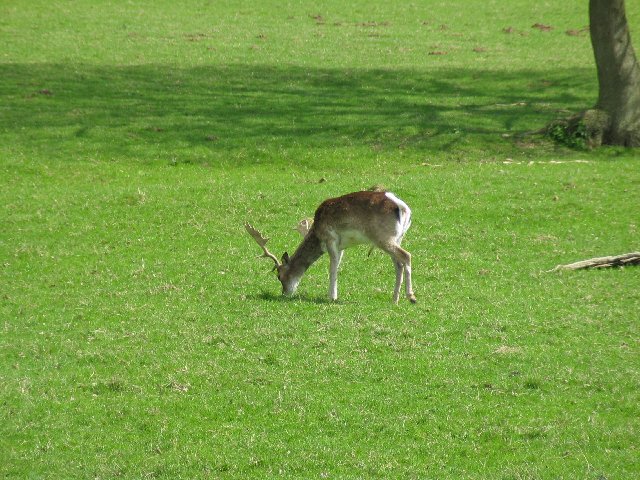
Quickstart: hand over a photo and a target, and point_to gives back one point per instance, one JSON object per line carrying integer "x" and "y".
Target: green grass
{"x": 139, "y": 335}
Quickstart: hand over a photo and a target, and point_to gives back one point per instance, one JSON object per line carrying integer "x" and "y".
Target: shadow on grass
{"x": 270, "y": 297}
{"x": 142, "y": 110}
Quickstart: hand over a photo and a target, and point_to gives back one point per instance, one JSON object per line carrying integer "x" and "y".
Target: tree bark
{"x": 603, "y": 262}
{"x": 618, "y": 73}
{"x": 615, "y": 119}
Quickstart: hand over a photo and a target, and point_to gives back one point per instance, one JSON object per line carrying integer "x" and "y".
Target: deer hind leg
{"x": 407, "y": 273}
{"x": 335, "y": 256}
{"x": 402, "y": 260}
{"x": 399, "y": 274}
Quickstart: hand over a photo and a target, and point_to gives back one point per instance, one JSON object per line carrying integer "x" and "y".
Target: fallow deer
{"x": 377, "y": 218}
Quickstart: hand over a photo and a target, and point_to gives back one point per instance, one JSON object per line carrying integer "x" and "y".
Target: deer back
{"x": 362, "y": 217}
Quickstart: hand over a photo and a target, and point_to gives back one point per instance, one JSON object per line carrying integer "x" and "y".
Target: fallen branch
{"x": 602, "y": 262}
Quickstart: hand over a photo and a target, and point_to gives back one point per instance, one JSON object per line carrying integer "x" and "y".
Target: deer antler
{"x": 262, "y": 241}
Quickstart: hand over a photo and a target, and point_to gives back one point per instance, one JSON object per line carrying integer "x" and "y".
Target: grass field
{"x": 141, "y": 338}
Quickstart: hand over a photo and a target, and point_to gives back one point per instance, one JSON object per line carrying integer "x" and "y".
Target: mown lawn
{"x": 141, "y": 337}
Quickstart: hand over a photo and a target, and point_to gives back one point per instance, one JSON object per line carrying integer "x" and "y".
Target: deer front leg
{"x": 335, "y": 256}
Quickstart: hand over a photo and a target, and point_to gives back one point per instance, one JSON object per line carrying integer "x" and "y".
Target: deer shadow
{"x": 305, "y": 298}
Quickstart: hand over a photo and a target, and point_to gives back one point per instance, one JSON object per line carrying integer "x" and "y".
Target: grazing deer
{"x": 377, "y": 218}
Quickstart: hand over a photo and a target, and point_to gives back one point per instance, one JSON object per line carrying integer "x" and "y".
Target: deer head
{"x": 281, "y": 267}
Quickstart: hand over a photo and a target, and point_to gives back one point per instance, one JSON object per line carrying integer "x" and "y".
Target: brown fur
{"x": 369, "y": 217}
{"x": 370, "y": 212}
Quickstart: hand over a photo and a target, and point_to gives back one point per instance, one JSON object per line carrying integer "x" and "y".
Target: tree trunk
{"x": 617, "y": 113}
{"x": 615, "y": 119}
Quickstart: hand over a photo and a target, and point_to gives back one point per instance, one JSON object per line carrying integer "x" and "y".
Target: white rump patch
{"x": 405, "y": 214}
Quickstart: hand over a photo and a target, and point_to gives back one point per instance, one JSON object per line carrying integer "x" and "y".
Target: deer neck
{"x": 305, "y": 255}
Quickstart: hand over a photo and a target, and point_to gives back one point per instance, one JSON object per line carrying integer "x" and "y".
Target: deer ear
{"x": 304, "y": 226}
{"x": 285, "y": 258}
